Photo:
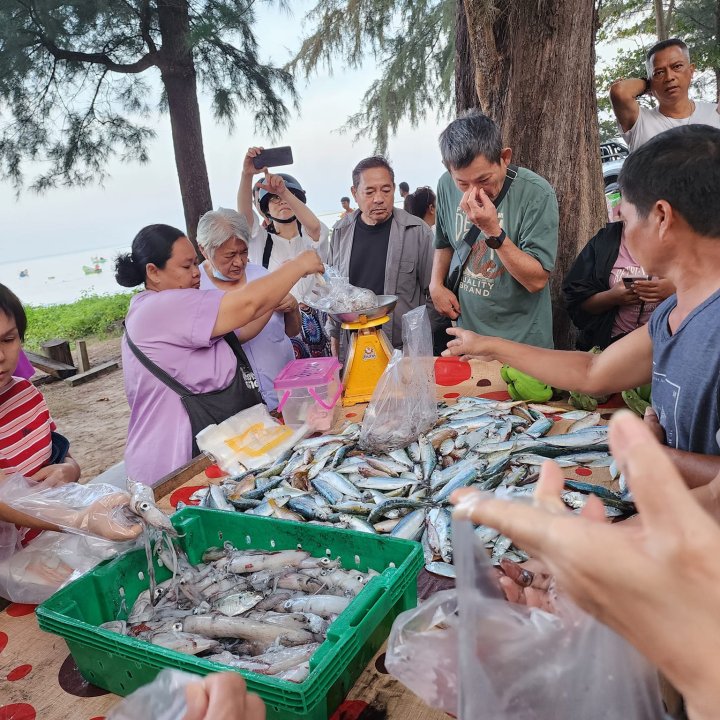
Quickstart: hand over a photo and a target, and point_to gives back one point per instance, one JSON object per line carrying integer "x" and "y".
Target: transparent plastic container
{"x": 308, "y": 390}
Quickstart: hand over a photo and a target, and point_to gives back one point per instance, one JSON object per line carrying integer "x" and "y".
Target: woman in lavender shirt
{"x": 180, "y": 330}
{"x": 223, "y": 236}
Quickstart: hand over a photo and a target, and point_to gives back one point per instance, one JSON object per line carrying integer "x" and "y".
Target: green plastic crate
{"x": 122, "y": 664}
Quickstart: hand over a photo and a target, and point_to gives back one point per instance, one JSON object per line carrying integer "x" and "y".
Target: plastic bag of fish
{"x": 403, "y": 404}
{"x": 475, "y": 655}
{"x": 333, "y": 293}
{"x": 266, "y": 612}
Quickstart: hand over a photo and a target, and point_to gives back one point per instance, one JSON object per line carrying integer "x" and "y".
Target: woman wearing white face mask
{"x": 222, "y": 236}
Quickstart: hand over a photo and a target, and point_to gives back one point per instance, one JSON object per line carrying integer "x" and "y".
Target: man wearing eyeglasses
{"x": 670, "y": 73}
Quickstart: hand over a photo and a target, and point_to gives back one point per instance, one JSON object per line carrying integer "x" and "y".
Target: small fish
{"x": 441, "y": 568}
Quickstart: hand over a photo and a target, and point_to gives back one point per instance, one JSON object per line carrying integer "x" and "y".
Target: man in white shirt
{"x": 670, "y": 73}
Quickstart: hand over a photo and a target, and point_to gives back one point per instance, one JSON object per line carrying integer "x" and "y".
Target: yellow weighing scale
{"x": 369, "y": 351}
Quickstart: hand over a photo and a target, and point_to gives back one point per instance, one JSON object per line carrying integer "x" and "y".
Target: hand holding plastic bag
{"x": 521, "y": 663}
{"x": 98, "y": 510}
{"x": 178, "y": 695}
{"x": 403, "y": 404}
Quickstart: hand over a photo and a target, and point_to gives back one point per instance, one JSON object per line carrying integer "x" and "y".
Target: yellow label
{"x": 258, "y": 439}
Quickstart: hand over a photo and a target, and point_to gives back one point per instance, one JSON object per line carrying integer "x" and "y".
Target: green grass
{"x": 91, "y": 316}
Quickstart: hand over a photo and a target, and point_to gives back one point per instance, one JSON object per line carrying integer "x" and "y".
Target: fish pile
{"x": 477, "y": 442}
{"x": 266, "y": 612}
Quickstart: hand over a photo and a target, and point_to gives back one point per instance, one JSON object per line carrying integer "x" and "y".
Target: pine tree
{"x": 76, "y": 85}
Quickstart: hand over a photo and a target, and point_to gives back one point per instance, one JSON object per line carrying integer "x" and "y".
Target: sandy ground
{"x": 93, "y": 416}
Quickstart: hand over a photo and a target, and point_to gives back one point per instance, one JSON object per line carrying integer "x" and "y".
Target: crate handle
{"x": 379, "y": 606}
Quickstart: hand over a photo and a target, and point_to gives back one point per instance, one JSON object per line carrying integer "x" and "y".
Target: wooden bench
{"x": 52, "y": 367}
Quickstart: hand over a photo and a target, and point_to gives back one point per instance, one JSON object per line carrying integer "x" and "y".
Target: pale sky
{"x": 135, "y": 195}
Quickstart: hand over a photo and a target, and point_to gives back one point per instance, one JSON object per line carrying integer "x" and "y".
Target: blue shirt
{"x": 686, "y": 375}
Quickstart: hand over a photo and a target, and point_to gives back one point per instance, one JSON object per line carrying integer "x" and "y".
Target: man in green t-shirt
{"x": 504, "y": 288}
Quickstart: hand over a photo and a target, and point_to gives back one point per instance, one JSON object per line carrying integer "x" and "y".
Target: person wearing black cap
{"x": 291, "y": 228}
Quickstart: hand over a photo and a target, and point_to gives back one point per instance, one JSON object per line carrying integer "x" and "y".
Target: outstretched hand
{"x": 466, "y": 344}
{"x": 274, "y": 184}
{"x": 222, "y": 696}
{"x": 653, "y": 581}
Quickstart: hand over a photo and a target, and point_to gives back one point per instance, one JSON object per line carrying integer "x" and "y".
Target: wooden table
{"x": 38, "y": 678}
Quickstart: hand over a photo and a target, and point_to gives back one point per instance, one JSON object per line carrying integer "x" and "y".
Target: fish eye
{"x": 177, "y": 627}
{"x": 144, "y": 505}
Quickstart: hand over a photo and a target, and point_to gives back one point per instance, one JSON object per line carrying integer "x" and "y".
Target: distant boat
{"x": 98, "y": 260}
{"x": 92, "y": 270}
{"x": 24, "y": 273}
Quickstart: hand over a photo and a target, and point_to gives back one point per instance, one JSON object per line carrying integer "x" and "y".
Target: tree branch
{"x": 146, "y": 61}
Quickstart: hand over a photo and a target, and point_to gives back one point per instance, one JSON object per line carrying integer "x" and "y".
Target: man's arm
{"x": 444, "y": 300}
{"x": 697, "y": 470}
{"x": 623, "y": 96}
{"x": 627, "y": 363}
{"x": 523, "y": 266}
{"x": 526, "y": 269}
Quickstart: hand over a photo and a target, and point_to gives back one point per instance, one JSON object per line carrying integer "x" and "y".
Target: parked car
{"x": 612, "y": 155}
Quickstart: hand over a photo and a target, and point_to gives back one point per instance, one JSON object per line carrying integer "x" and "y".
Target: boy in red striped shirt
{"x": 25, "y": 422}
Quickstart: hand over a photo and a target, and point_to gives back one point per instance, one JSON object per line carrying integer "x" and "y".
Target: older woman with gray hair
{"x": 222, "y": 236}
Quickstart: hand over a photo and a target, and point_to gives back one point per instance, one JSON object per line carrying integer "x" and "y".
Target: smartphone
{"x": 273, "y": 157}
{"x": 630, "y": 280}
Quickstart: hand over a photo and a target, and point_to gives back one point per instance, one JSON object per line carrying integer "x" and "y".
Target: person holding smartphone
{"x": 607, "y": 292}
{"x": 291, "y": 229}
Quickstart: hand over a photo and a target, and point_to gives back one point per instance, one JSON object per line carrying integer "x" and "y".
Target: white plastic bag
{"x": 162, "y": 699}
{"x": 249, "y": 439}
{"x": 422, "y": 651}
{"x": 520, "y": 663}
{"x": 31, "y": 574}
{"x": 403, "y": 404}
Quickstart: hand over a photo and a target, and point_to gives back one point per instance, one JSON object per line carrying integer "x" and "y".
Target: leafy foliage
{"x": 92, "y": 315}
{"x": 75, "y": 85}
{"x": 414, "y": 45}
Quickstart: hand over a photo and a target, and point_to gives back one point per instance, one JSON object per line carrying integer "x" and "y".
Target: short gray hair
{"x": 664, "y": 45}
{"x": 216, "y": 227}
{"x": 467, "y": 137}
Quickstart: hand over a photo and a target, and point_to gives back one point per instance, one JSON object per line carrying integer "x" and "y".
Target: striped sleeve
{"x": 25, "y": 427}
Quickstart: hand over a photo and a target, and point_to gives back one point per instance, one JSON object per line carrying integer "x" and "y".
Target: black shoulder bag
{"x": 462, "y": 251}
{"x": 212, "y": 407}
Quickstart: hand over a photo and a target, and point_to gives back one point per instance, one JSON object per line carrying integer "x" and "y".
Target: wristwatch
{"x": 495, "y": 242}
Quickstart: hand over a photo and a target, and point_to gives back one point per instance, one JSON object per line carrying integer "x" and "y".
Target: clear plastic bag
{"x": 403, "y": 404}
{"x": 162, "y": 699}
{"x": 331, "y": 292}
{"x": 31, "y": 574}
{"x": 422, "y": 651}
{"x": 98, "y": 510}
{"x": 520, "y": 663}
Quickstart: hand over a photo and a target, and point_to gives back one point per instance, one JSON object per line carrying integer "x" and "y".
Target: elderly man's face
{"x": 671, "y": 75}
{"x": 231, "y": 258}
{"x": 483, "y": 174}
{"x": 374, "y": 195}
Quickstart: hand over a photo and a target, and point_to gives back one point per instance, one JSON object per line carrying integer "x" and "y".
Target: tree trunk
{"x": 465, "y": 93}
{"x": 177, "y": 70}
{"x": 717, "y": 47}
{"x": 661, "y": 27}
{"x": 535, "y": 63}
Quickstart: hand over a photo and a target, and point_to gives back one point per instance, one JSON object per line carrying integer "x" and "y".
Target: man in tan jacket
{"x": 382, "y": 248}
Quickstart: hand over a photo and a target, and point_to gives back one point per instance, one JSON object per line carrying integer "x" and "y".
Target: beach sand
{"x": 93, "y": 416}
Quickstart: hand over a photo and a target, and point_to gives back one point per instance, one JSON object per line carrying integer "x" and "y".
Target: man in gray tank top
{"x": 671, "y": 187}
